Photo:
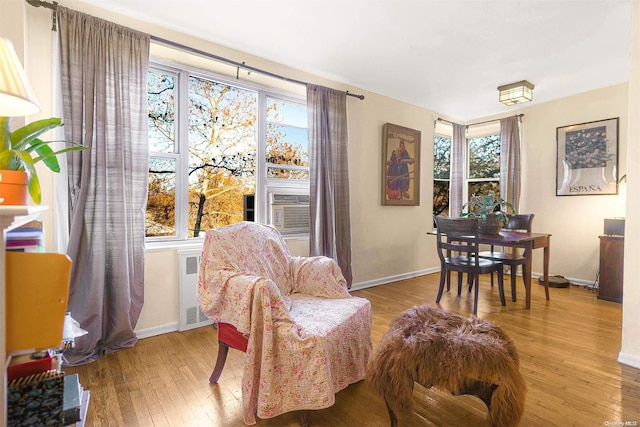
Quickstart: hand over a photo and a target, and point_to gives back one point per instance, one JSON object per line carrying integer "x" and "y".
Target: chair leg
{"x": 223, "y": 349}
{"x": 513, "y": 282}
{"x": 448, "y": 280}
{"x": 443, "y": 276}
{"x": 475, "y": 296}
{"x": 501, "y": 287}
{"x": 460, "y": 282}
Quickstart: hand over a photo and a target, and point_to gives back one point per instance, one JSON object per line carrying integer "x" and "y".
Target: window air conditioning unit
{"x": 289, "y": 213}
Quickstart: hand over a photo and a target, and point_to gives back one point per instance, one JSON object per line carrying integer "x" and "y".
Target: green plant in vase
{"x": 22, "y": 148}
{"x": 492, "y": 212}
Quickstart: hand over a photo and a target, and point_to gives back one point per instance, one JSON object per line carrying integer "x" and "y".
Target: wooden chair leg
{"x": 513, "y": 282}
{"x": 223, "y": 349}
{"x": 501, "y": 287}
{"x": 444, "y": 275}
{"x": 475, "y": 296}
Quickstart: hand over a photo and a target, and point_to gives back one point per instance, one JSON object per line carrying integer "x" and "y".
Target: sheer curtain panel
{"x": 103, "y": 69}
{"x": 330, "y": 231}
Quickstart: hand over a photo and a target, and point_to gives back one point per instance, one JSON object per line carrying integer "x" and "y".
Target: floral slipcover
{"x": 308, "y": 338}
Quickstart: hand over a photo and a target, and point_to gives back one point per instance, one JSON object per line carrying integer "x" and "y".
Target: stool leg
{"x": 393, "y": 420}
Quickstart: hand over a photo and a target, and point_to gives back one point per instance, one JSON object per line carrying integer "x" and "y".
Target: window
{"x": 441, "y": 174}
{"x": 206, "y": 134}
{"x": 483, "y": 174}
{"x": 482, "y": 168}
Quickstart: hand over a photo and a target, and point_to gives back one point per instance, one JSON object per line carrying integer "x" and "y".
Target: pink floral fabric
{"x": 308, "y": 338}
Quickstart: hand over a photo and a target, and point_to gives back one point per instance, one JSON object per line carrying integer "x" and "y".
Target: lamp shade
{"x": 16, "y": 95}
{"x": 516, "y": 93}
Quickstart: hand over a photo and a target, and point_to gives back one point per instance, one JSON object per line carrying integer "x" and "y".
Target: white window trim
{"x": 263, "y": 185}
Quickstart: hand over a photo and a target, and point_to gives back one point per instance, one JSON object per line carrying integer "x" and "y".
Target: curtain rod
{"x": 54, "y": 7}
{"x": 440, "y": 119}
{"x": 236, "y": 64}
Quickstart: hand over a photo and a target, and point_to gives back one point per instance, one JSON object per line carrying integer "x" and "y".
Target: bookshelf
{"x": 10, "y": 218}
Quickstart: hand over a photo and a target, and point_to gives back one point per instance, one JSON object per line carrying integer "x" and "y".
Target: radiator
{"x": 191, "y": 316}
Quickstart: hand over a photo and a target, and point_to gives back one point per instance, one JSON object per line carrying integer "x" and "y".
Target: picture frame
{"x": 400, "y": 166}
{"x": 587, "y": 158}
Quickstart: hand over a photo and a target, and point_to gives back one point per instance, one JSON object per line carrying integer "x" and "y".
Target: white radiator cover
{"x": 191, "y": 315}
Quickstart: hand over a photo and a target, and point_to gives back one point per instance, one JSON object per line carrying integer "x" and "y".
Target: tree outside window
{"x": 203, "y": 157}
{"x": 482, "y": 171}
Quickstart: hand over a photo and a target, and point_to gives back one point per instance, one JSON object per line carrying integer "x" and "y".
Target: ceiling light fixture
{"x": 516, "y": 93}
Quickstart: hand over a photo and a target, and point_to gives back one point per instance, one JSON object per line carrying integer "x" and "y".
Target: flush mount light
{"x": 516, "y": 93}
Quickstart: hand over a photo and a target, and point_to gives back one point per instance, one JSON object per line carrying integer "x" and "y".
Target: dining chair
{"x": 459, "y": 236}
{"x": 514, "y": 258}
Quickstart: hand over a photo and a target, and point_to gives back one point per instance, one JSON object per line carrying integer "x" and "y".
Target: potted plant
{"x": 20, "y": 150}
{"x": 492, "y": 212}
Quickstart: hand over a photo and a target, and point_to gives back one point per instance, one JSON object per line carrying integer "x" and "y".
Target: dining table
{"x": 528, "y": 242}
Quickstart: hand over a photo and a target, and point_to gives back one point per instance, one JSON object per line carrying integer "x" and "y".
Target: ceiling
{"x": 448, "y": 56}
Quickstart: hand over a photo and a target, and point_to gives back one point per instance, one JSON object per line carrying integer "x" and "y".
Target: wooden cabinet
{"x": 611, "y": 268}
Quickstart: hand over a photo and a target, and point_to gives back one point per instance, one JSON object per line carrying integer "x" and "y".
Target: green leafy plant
{"x": 482, "y": 205}
{"x": 22, "y": 148}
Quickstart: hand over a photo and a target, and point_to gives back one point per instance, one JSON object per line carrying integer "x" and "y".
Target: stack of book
{"x": 39, "y": 393}
{"x": 27, "y": 238}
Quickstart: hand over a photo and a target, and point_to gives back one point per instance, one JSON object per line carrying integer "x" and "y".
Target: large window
{"x": 482, "y": 168}
{"x": 441, "y": 174}
{"x": 206, "y": 136}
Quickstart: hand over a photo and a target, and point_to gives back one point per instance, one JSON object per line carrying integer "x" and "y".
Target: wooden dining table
{"x": 528, "y": 242}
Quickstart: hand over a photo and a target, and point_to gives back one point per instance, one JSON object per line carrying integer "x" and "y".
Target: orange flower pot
{"x": 13, "y": 187}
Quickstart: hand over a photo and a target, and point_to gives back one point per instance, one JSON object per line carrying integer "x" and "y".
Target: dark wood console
{"x": 611, "y": 268}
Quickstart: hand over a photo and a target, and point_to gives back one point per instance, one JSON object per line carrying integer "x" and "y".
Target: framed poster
{"x": 587, "y": 158}
{"x": 400, "y": 166}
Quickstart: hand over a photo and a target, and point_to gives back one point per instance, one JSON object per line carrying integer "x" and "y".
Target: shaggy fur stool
{"x": 437, "y": 348}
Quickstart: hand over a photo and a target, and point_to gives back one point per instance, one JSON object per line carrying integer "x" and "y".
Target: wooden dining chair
{"x": 460, "y": 237}
{"x": 514, "y": 258}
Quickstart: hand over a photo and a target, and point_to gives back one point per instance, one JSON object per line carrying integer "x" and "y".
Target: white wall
{"x": 630, "y": 352}
{"x": 390, "y": 242}
{"x": 575, "y": 221}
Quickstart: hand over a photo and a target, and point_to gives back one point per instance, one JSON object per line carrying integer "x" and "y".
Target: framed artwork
{"x": 400, "y": 166}
{"x": 587, "y": 159}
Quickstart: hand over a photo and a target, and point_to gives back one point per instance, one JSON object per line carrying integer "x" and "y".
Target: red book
{"x": 29, "y": 364}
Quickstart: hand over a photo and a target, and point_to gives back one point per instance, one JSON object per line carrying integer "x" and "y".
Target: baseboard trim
{"x": 391, "y": 279}
{"x": 629, "y": 359}
{"x": 157, "y": 330}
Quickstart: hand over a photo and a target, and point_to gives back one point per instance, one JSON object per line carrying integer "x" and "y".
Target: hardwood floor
{"x": 568, "y": 349}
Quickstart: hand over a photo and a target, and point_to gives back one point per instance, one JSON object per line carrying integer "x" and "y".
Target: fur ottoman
{"x": 434, "y": 347}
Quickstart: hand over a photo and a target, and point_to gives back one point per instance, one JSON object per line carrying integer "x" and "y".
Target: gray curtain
{"x": 510, "y": 160}
{"x": 458, "y": 155}
{"x": 104, "y": 91}
{"x": 330, "y": 233}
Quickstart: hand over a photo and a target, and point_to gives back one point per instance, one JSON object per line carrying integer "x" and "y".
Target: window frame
{"x": 489, "y": 129}
{"x": 263, "y": 184}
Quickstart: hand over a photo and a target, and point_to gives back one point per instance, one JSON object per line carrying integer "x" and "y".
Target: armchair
{"x": 307, "y": 337}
